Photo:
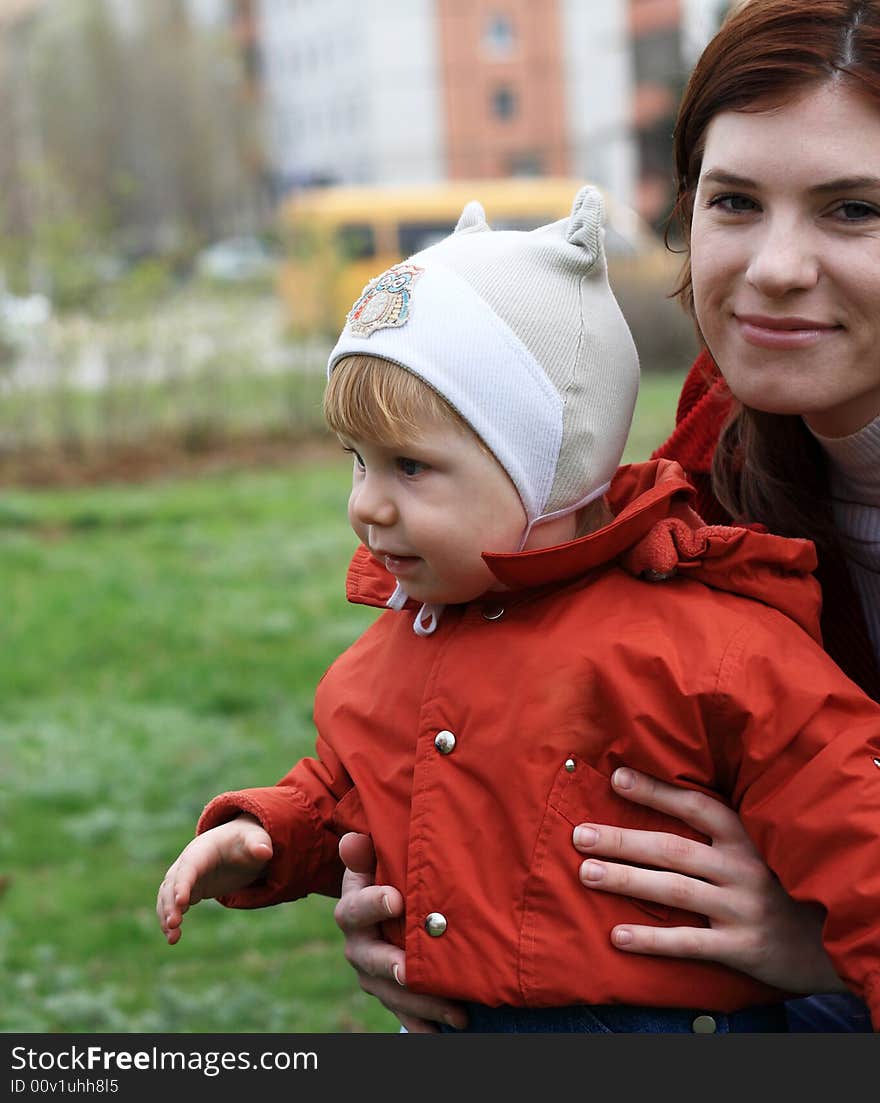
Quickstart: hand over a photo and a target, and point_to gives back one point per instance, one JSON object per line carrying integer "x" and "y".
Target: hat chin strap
{"x": 573, "y": 508}
{"x": 428, "y": 617}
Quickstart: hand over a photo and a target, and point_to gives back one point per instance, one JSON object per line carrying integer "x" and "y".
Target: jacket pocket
{"x": 565, "y": 953}
{"x": 583, "y": 795}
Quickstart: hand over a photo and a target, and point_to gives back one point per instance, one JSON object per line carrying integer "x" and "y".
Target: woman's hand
{"x": 381, "y": 967}
{"x": 755, "y": 926}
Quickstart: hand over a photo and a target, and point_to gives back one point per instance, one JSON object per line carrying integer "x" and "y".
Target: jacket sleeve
{"x": 299, "y": 815}
{"x": 806, "y": 782}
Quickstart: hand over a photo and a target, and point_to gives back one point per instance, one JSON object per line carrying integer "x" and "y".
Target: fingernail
{"x": 592, "y": 871}
{"x": 386, "y": 905}
{"x": 395, "y": 969}
{"x": 585, "y": 836}
{"x": 623, "y": 778}
{"x": 622, "y": 937}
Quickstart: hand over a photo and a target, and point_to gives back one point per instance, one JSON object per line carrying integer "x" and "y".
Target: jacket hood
{"x": 655, "y": 535}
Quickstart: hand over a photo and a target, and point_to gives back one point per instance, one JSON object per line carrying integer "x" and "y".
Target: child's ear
{"x": 472, "y": 219}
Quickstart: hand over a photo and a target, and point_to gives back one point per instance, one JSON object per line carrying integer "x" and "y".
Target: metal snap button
{"x": 444, "y": 742}
{"x": 493, "y": 612}
{"x": 570, "y": 765}
{"x": 704, "y": 1024}
{"x": 435, "y": 924}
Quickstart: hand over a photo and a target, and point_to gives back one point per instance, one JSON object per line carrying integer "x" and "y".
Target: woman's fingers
{"x": 417, "y": 1026}
{"x": 671, "y": 889}
{"x": 654, "y": 848}
{"x": 374, "y": 957}
{"x": 703, "y": 943}
{"x": 381, "y": 967}
{"x": 359, "y": 855}
{"x": 423, "y": 1012}
{"x": 705, "y": 814}
{"x": 360, "y": 909}
{"x": 382, "y": 973}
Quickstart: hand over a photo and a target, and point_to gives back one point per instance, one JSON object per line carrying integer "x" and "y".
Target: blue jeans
{"x": 836, "y": 1013}
{"x": 617, "y": 1019}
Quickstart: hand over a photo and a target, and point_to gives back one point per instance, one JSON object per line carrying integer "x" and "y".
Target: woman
{"x": 777, "y": 156}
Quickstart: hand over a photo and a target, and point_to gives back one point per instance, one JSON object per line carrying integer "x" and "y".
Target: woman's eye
{"x": 733, "y": 204}
{"x": 853, "y": 210}
{"x": 410, "y": 467}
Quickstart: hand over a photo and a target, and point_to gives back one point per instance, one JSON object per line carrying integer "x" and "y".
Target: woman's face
{"x": 785, "y": 257}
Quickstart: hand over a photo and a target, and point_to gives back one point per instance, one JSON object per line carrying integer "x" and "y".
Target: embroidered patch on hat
{"x": 385, "y": 302}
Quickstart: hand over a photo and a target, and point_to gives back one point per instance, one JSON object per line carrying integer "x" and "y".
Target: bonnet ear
{"x": 472, "y": 219}
{"x": 585, "y": 224}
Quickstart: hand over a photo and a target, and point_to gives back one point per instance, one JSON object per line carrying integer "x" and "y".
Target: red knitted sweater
{"x": 703, "y": 407}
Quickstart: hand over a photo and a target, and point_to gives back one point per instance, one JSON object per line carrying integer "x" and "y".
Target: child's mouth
{"x": 400, "y": 564}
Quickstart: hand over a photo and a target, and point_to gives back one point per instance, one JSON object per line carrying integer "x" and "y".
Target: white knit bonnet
{"x": 520, "y": 333}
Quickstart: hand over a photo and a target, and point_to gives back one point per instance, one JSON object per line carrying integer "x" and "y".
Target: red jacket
{"x": 703, "y": 408}
{"x": 546, "y": 689}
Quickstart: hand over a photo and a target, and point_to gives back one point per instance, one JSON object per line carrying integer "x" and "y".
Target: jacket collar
{"x": 654, "y": 533}
{"x": 703, "y": 407}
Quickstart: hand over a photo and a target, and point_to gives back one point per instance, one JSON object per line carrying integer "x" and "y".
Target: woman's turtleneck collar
{"x": 855, "y": 459}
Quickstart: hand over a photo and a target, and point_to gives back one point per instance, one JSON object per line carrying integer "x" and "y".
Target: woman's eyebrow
{"x": 847, "y": 183}
{"x": 840, "y": 183}
{"x": 729, "y": 179}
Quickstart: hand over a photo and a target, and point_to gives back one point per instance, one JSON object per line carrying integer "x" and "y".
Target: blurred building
{"x": 665, "y": 38}
{"x": 392, "y": 91}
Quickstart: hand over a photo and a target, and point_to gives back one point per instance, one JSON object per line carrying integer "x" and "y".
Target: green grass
{"x": 160, "y": 644}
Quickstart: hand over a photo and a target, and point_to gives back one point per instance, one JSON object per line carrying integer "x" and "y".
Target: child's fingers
{"x": 173, "y": 900}
{"x": 258, "y": 849}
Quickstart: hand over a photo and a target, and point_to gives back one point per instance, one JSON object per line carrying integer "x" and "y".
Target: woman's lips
{"x": 783, "y": 333}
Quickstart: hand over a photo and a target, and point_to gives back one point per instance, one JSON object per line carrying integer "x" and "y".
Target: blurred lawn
{"x": 161, "y": 643}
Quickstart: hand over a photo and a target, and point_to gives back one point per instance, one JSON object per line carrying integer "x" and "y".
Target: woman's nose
{"x": 783, "y": 261}
{"x": 371, "y": 503}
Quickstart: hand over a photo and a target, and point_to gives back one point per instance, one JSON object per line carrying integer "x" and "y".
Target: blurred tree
{"x": 120, "y": 138}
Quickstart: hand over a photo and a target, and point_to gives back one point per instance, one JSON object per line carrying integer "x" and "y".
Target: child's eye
{"x": 351, "y": 452}
{"x": 410, "y": 467}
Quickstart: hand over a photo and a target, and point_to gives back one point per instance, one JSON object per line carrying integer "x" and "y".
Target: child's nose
{"x": 371, "y": 504}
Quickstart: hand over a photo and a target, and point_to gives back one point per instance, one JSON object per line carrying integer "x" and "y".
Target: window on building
{"x": 499, "y": 37}
{"x": 526, "y": 164}
{"x": 504, "y": 103}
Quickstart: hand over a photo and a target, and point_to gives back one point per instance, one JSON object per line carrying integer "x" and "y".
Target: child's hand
{"x": 220, "y": 861}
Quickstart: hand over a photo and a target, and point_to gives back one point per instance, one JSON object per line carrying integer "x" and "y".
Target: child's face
{"x": 429, "y": 509}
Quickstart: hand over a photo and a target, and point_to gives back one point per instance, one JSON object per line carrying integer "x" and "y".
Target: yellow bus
{"x": 338, "y": 238}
